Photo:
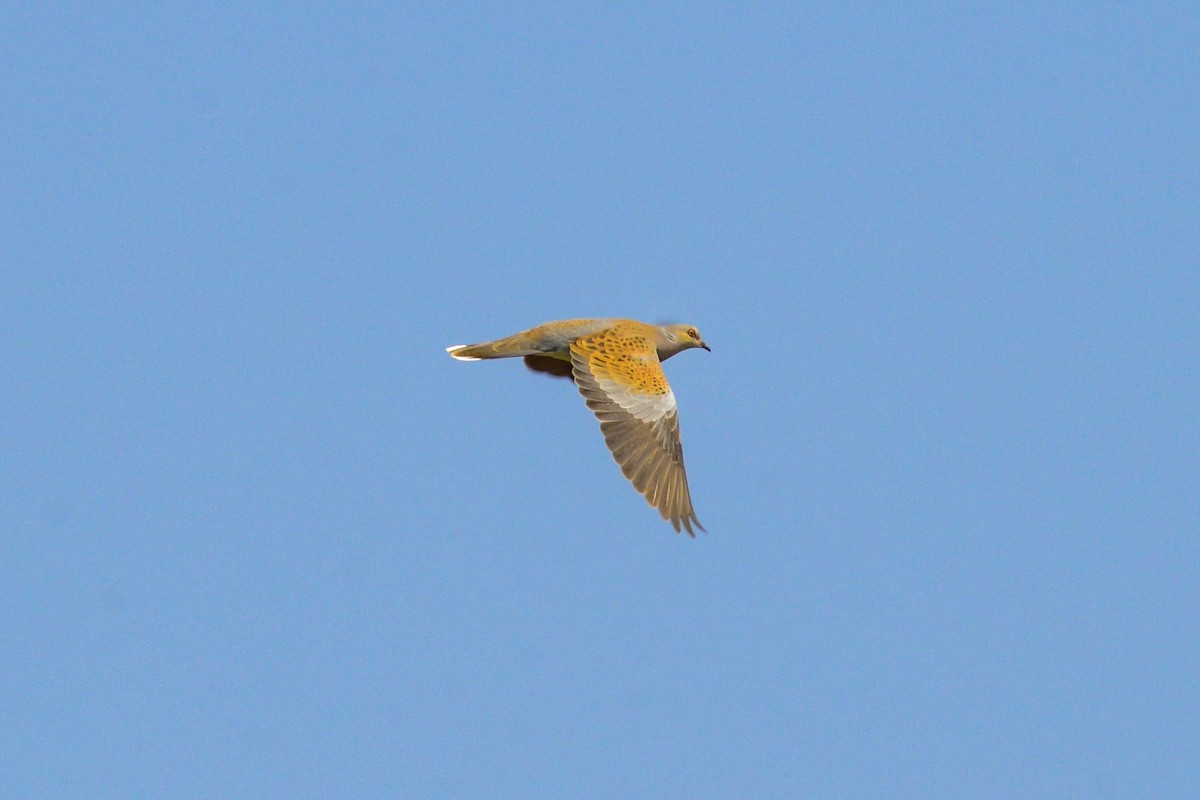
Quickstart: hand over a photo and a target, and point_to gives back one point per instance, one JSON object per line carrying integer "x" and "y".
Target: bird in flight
{"x": 617, "y": 365}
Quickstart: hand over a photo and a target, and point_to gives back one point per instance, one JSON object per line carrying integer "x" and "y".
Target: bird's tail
{"x": 471, "y": 352}
{"x": 508, "y": 347}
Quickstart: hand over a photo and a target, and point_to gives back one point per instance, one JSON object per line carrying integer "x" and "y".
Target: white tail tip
{"x": 455, "y": 348}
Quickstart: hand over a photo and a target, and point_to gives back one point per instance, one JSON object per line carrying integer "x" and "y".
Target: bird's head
{"x": 675, "y": 338}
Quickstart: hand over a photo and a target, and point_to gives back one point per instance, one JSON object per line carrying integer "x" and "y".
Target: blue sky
{"x": 260, "y": 536}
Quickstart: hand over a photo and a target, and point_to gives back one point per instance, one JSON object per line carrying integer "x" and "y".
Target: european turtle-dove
{"x": 617, "y": 365}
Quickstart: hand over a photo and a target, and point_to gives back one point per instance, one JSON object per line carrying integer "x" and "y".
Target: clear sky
{"x": 260, "y": 537}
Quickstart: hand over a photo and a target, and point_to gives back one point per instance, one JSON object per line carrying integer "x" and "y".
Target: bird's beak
{"x": 706, "y": 347}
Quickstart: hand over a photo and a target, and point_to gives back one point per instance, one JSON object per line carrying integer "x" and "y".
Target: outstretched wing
{"x": 620, "y": 377}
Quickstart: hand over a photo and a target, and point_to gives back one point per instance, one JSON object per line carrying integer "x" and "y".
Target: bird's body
{"x": 551, "y": 339}
{"x": 616, "y": 363}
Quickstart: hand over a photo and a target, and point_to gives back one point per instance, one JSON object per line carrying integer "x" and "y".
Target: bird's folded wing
{"x": 622, "y": 381}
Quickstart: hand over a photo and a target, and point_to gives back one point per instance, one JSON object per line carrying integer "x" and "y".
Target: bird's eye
{"x": 691, "y": 332}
